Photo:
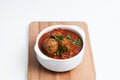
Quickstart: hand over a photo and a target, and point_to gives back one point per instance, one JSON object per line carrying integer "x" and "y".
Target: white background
{"x": 102, "y": 17}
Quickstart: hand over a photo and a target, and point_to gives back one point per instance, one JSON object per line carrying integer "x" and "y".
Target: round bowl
{"x": 60, "y": 65}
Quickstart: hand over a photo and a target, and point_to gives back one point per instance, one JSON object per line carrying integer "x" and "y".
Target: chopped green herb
{"x": 57, "y": 37}
{"x": 68, "y": 36}
{"x": 64, "y": 48}
{"x": 61, "y": 49}
{"x": 58, "y": 52}
{"x": 78, "y": 41}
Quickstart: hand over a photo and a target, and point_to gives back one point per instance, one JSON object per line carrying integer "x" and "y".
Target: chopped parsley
{"x": 68, "y": 36}
{"x": 78, "y": 41}
{"x": 57, "y": 37}
{"x": 61, "y": 49}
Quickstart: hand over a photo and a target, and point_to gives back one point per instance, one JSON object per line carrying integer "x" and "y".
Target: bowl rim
{"x": 73, "y": 28}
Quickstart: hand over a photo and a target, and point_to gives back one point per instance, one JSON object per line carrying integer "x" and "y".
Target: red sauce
{"x": 76, "y": 48}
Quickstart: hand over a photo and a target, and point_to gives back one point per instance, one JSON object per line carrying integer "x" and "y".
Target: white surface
{"x": 102, "y": 17}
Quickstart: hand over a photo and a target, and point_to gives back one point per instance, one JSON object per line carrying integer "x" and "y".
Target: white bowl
{"x": 60, "y": 65}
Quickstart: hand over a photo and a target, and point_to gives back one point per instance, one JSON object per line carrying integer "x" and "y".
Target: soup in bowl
{"x": 60, "y": 47}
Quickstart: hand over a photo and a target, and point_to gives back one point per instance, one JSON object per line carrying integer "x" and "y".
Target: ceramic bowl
{"x": 60, "y": 65}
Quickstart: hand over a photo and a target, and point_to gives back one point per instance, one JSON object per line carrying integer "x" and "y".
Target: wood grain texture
{"x": 85, "y": 71}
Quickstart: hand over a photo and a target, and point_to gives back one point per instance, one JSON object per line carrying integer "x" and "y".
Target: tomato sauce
{"x": 75, "y": 48}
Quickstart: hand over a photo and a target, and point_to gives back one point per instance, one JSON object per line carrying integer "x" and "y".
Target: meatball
{"x": 68, "y": 44}
{"x": 50, "y": 45}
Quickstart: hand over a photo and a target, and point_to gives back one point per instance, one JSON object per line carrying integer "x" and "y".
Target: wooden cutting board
{"x": 85, "y": 71}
